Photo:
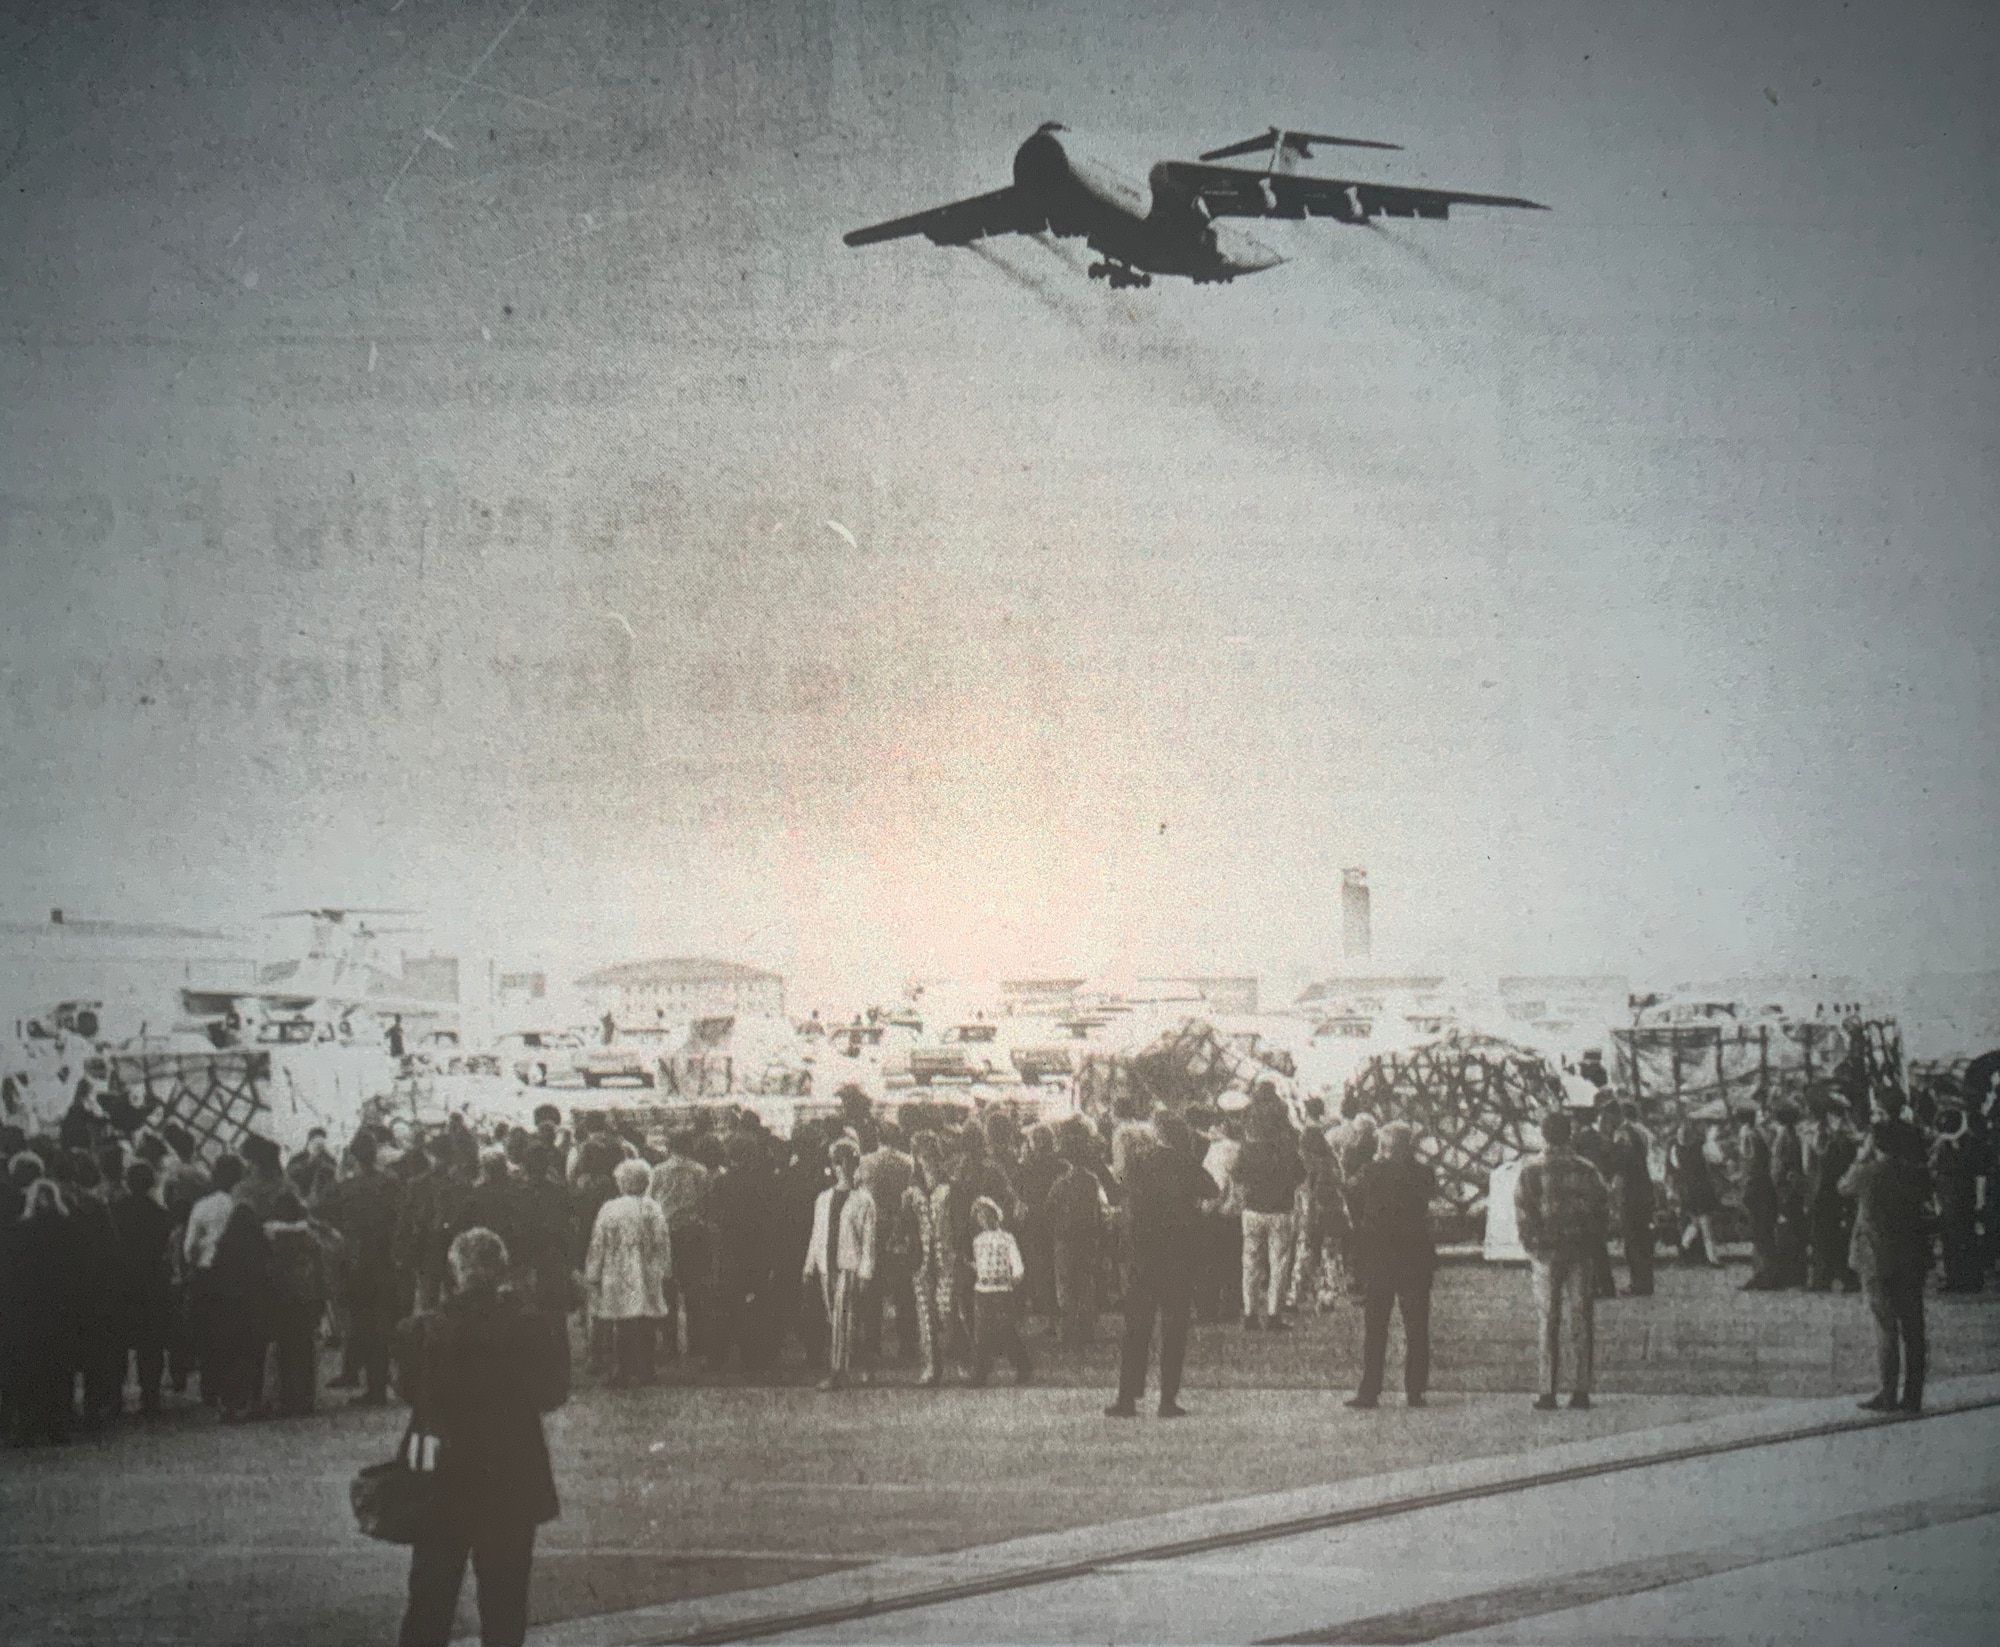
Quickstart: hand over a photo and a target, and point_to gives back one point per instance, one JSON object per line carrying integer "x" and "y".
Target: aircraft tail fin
{"x": 1287, "y": 148}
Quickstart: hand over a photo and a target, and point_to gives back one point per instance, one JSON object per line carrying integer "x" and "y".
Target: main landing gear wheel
{"x": 1119, "y": 275}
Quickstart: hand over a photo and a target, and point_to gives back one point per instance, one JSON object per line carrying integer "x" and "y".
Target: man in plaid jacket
{"x": 1561, "y": 1208}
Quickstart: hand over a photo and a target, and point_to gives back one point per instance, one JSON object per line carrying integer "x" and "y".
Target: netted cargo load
{"x": 1192, "y": 1064}
{"x": 1720, "y": 1066}
{"x": 217, "y": 1096}
{"x": 1474, "y": 1101}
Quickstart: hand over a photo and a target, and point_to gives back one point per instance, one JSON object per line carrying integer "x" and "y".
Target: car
{"x": 543, "y": 1056}
{"x": 633, "y": 1056}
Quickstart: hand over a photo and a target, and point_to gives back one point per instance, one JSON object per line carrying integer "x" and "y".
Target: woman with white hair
{"x": 630, "y": 1258}
{"x": 478, "y": 1373}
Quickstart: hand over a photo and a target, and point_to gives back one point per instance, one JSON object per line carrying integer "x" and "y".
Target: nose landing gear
{"x": 1119, "y": 274}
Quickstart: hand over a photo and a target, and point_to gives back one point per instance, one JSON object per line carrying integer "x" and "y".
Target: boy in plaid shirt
{"x": 996, "y": 1304}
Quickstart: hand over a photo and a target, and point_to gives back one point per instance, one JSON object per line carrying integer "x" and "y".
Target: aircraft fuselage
{"x": 1149, "y": 227}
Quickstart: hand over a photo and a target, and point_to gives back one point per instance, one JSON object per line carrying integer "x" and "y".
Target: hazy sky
{"x": 423, "y": 422}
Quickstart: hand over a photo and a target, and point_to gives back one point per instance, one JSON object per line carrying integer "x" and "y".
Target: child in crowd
{"x": 996, "y": 1301}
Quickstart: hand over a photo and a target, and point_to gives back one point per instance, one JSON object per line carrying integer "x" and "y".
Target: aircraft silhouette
{"x": 1065, "y": 187}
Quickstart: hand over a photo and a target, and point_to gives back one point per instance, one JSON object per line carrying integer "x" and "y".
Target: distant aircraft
{"x": 333, "y": 978}
{"x": 1062, "y": 188}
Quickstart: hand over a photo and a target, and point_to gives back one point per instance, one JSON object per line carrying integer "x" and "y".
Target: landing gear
{"x": 1119, "y": 274}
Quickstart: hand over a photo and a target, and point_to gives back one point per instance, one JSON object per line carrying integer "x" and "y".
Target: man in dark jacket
{"x": 297, "y": 1302}
{"x": 1392, "y": 1241}
{"x": 1891, "y": 1252}
{"x": 1628, "y": 1164}
{"x": 478, "y": 1373}
{"x": 1594, "y": 1146}
{"x": 1829, "y": 1214}
{"x": 1073, "y": 1213}
{"x": 740, "y": 1217}
{"x": 144, "y": 1227}
{"x": 1959, "y": 1161}
{"x": 1166, "y": 1192}
{"x": 1788, "y": 1191}
{"x": 1760, "y": 1203}
{"x": 365, "y": 1207}
{"x": 100, "y": 1353}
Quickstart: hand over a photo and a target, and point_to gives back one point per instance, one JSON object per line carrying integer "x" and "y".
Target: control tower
{"x": 1355, "y": 936}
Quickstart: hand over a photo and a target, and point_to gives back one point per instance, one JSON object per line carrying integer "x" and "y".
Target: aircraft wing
{"x": 1229, "y": 191}
{"x": 959, "y": 224}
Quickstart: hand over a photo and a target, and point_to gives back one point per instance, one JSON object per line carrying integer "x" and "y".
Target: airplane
{"x": 333, "y": 976}
{"x": 1064, "y": 187}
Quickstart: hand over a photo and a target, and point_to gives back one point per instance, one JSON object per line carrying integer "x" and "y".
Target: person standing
{"x": 365, "y": 1207}
{"x": 1561, "y": 1208}
{"x": 630, "y": 1256}
{"x": 1958, "y": 1162}
{"x": 1167, "y": 1194}
{"x": 680, "y": 1186}
{"x": 297, "y": 1298}
{"x": 798, "y": 1190}
{"x": 1267, "y": 1175}
{"x": 1074, "y": 1211}
{"x": 144, "y": 1227}
{"x": 999, "y": 1273}
{"x": 1760, "y": 1202}
{"x": 885, "y": 1173}
{"x": 1353, "y": 1146}
{"x": 94, "y": 1279}
{"x": 37, "y": 1323}
{"x": 1594, "y": 1146}
{"x": 1829, "y": 1214}
{"x": 1392, "y": 1230}
{"x": 977, "y": 1172}
{"x": 840, "y": 1260}
{"x": 206, "y": 1307}
{"x": 1039, "y": 1168}
{"x": 478, "y": 1373}
{"x": 1891, "y": 1252}
{"x": 1318, "y": 1189}
{"x": 1219, "y": 1280}
{"x": 1693, "y": 1181}
{"x": 1629, "y": 1156}
{"x": 1788, "y": 1191}
{"x": 238, "y": 1285}
{"x": 740, "y": 1219}
{"x": 925, "y": 1211}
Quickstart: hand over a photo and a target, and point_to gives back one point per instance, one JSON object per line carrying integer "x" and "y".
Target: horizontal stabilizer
{"x": 1293, "y": 144}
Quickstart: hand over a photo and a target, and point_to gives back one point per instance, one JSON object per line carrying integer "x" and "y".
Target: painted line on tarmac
{"x": 547, "y": 1552}
{"x": 1562, "y": 1594}
{"x": 938, "y": 1595}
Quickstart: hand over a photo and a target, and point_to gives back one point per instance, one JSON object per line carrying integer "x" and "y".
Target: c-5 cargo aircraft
{"x": 1062, "y": 187}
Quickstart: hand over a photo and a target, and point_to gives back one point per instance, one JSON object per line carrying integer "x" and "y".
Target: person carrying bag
{"x": 472, "y": 1479}
{"x": 398, "y": 1502}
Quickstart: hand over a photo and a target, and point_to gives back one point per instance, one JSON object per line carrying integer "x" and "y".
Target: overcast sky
{"x": 449, "y": 458}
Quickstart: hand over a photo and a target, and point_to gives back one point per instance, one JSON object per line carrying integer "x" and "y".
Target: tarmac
{"x": 1800, "y": 1521}
{"x": 674, "y": 1497}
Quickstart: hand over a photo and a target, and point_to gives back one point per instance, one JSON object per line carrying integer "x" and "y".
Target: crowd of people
{"x": 944, "y": 1243}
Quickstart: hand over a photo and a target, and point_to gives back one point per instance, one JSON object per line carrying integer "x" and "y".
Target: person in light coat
{"x": 840, "y": 1258}
{"x": 626, "y": 1270}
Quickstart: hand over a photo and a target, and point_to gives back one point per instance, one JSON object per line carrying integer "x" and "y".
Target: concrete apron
{"x": 933, "y": 1580}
